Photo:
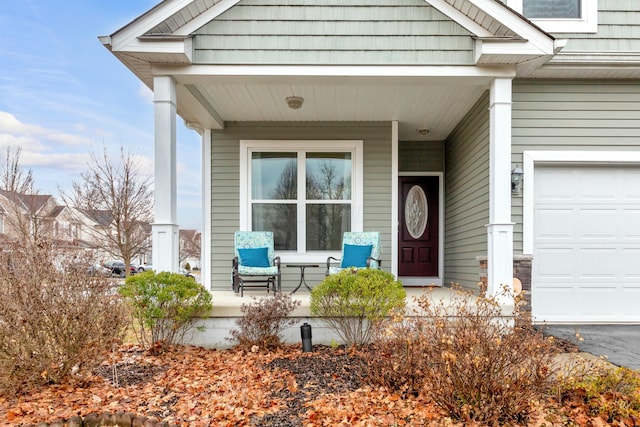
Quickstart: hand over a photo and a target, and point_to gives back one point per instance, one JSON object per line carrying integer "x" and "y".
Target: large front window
{"x": 307, "y": 192}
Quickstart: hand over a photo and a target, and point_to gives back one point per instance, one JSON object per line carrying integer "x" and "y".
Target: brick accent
{"x": 521, "y": 271}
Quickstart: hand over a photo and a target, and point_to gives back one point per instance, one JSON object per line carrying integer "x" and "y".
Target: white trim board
{"x": 531, "y": 158}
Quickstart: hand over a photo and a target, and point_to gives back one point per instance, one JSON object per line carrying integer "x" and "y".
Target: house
{"x": 190, "y": 247}
{"x": 413, "y": 118}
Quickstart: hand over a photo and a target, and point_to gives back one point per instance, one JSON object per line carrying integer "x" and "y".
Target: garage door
{"x": 586, "y": 265}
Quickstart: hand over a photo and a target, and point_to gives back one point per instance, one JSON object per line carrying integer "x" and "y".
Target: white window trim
{"x": 587, "y": 24}
{"x": 533, "y": 158}
{"x": 357, "y": 173}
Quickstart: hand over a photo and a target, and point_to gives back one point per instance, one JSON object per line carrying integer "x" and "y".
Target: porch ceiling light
{"x": 424, "y": 131}
{"x": 294, "y": 102}
{"x": 516, "y": 179}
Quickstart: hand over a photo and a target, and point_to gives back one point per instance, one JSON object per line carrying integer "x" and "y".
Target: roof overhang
{"x": 159, "y": 44}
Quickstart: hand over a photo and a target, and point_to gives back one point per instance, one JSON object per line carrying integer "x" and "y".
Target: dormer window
{"x": 551, "y": 9}
{"x": 560, "y": 16}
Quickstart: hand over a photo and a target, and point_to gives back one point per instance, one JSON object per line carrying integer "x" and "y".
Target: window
{"x": 307, "y": 192}
{"x": 560, "y": 16}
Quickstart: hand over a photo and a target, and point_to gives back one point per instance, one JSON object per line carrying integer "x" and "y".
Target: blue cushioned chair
{"x": 359, "y": 250}
{"x": 255, "y": 264}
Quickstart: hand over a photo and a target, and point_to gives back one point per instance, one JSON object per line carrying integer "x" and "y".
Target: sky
{"x": 64, "y": 96}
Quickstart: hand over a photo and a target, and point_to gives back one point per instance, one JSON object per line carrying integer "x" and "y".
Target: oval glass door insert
{"x": 415, "y": 211}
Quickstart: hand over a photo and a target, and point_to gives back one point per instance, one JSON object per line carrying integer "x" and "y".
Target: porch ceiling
{"x": 437, "y": 103}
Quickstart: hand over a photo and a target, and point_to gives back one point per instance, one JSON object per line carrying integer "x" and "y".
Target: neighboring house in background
{"x": 190, "y": 248}
{"x": 41, "y": 216}
{"x": 408, "y": 117}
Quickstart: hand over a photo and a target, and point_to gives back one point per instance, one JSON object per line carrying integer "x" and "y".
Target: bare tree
{"x": 26, "y": 213}
{"x": 117, "y": 195}
{"x": 189, "y": 244}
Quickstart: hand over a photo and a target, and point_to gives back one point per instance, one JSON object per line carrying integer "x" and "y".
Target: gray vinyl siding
{"x": 467, "y": 196}
{"x": 421, "y": 156}
{"x": 618, "y": 30}
{"x": 333, "y": 32}
{"x": 572, "y": 115}
{"x": 225, "y": 189}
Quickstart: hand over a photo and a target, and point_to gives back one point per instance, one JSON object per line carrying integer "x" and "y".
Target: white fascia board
{"x": 195, "y": 73}
{"x": 517, "y": 24}
{"x": 206, "y": 17}
{"x": 459, "y": 17}
{"x": 129, "y": 33}
{"x": 183, "y": 47}
{"x": 507, "y": 48}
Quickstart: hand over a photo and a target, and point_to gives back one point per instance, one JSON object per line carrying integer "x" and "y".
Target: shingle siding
{"x": 332, "y": 32}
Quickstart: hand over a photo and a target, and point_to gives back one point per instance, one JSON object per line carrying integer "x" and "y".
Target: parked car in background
{"x": 98, "y": 270}
{"x": 118, "y": 268}
{"x": 186, "y": 272}
{"x": 145, "y": 267}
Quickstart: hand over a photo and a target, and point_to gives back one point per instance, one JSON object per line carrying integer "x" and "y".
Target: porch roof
{"x": 160, "y": 42}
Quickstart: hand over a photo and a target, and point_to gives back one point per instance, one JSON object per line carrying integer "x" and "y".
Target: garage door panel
{"x": 630, "y": 264}
{"x": 547, "y": 266}
{"x": 629, "y": 225}
{"x": 598, "y": 263}
{"x": 601, "y": 182}
{"x": 553, "y": 301}
{"x": 628, "y": 185}
{"x": 596, "y": 224}
{"x": 586, "y": 264}
{"x": 597, "y": 301}
{"x": 554, "y": 224}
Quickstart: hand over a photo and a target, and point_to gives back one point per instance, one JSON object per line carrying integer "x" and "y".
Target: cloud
{"x": 14, "y": 132}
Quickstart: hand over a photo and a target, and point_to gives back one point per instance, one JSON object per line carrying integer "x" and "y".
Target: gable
{"x": 333, "y": 32}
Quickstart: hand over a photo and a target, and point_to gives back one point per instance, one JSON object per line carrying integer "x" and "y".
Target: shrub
{"x": 164, "y": 306}
{"x": 472, "y": 362}
{"x": 352, "y": 302}
{"x": 55, "y": 318}
{"x": 187, "y": 266}
{"x": 263, "y": 321}
{"x": 610, "y": 393}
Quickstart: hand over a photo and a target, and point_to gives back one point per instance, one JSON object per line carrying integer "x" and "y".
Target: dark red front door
{"x": 418, "y": 217}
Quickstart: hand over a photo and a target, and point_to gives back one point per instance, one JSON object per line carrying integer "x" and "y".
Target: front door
{"x": 418, "y": 216}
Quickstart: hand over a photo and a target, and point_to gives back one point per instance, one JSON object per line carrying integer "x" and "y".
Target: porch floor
{"x": 227, "y": 303}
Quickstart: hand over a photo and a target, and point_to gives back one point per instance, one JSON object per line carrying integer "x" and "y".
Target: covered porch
{"x": 226, "y": 310}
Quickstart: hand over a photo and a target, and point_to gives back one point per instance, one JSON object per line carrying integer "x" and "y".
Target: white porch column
{"x": 500, "y": 227}
{"x": 205, "y": 242}
{"x": 165, "y": 227}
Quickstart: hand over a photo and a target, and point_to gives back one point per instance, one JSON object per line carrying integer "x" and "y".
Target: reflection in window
{"x": 273, "y": 176}
{"x": 325, "y": 225}
{"x": 328, "y": 176}
{"x": 313, "y": 219}
{"x": 279, "y": 218}
{"x": 551, "y": 9}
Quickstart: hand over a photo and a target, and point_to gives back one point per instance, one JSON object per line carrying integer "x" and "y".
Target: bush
{"x": 263, "y": 321}
{"x": 187, "y": 266}
{"x": 55, "y": 318}
{"x": 471, "y": 361}
{"x": 607, "y": 392}
{"x": 164, "y": 307}
{"x": 353, "y": 302}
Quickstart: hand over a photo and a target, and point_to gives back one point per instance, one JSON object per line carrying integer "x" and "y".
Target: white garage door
{"x": 586, "y": 265}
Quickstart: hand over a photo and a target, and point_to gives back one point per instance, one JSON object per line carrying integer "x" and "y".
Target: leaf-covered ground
{"x": 191, "y": 386}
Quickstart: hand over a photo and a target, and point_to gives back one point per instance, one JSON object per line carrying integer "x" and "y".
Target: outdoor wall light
{"x": 294, "y": 102}
{"x": 516, "y": 179}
